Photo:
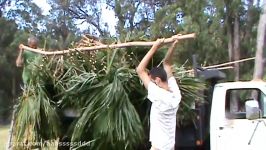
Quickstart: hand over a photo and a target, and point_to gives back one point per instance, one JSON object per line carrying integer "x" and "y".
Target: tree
{"x": 9, "y": 76}
{"x": 3, "y": 4}
{"x": 27, "y": 15}
{"x": 261, "y": 39}
{"x": 86, "y": 12}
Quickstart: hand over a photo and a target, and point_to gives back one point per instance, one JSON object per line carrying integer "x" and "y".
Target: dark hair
{"x": 33, "y": 40}
{"x": 158, "y": 72}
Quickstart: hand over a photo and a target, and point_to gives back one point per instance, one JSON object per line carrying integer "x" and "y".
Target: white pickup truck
{"x": 233, "y": 117}
{"x": 238, "y": 116}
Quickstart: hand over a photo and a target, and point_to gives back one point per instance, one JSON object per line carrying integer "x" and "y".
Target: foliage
{"x": 192, "y": 94}
{"x": 9, "y": 87}
{"x": 108, "y": 88}
{"x": 87, "y": 81}
{"x": 80, "y": 13}
{"x": 106, "y": 94}
{"x": 27, "y": 15}
{"x": 36, "y": 109}
{"x": 108, "y": 111}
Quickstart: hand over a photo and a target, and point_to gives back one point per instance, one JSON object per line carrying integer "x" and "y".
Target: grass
{"x": 3, "y": 136}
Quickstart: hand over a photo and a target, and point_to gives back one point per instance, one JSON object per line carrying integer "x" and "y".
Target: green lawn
{"x": 3, "y": 136}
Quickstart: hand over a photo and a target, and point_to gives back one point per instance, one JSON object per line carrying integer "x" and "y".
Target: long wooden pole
{"x": 191, "y": 70}
{"x": 229, "y": 63}
{"x": 100, "y": 47}
{"x": 221, "y": 65}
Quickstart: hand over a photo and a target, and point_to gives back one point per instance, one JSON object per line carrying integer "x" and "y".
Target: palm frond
{"x": 110, "y": 114}
{"x": 36, "y": 111}
{"x": 192, "y": 94}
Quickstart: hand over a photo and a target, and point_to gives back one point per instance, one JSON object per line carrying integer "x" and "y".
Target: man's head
{"x": 158, "y": 74}
{"x": 33, "y": 42}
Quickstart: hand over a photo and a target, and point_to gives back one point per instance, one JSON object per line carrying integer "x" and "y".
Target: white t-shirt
{"x": 163, "y": 114}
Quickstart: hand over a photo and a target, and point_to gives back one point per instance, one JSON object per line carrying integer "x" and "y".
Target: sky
{"x": 43, "y": 5}
{"x": 107, "y": 15}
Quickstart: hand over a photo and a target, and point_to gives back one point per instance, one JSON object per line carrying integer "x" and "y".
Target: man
{"x": 165, "y": 96}
{"x": 26, "y": 57}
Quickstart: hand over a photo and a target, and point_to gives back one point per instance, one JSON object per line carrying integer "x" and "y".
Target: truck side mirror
{"x": 252, "y": 109}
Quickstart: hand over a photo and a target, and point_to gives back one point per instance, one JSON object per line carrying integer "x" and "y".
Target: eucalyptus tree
{"x": 260, "y": 53}
{"x": 83, "y": 13}
{"x": 133, "y": 16}
{"x": 9, "y": 75}
{"x": 249, "y": 32}
{"x": 239, "y": 27}
{"x": 3, "y": 4}
{"x": 225, "y": 28}
{"x": 59, "y": 29}
{"x": 153, "y": 19}
{"x": 27, "y": 15}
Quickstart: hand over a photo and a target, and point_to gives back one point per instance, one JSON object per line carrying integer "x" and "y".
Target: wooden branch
{"x": 191, "y": 70}
{"x": 220, "y": 65}
{"x": 100, "y": 47}
{"x": 229, "y": 63}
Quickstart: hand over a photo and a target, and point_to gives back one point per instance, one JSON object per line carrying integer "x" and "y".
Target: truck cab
{"x": 233, "y": 116}
{"x": 231, "y": 126}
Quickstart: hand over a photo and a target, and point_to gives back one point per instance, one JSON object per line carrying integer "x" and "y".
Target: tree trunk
{"x": 230, "y": 41}
{"x": 234, "y": 42}
{"x": 249, "y": 21}
{"x": 229, "y": 27}
{"x": 233, "y": 33}
{"x": 232, "y": 23}
{"x": 259, "y": 61}
{"x": 247, "y": 39}
{"x": 236, "y": 48}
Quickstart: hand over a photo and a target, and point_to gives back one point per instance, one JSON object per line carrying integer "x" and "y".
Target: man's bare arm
{"x": 141, "y": 69}
{"x": 168, "y": 62}
{"x": 20, "y": 59}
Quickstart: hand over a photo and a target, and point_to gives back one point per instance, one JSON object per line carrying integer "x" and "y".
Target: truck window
{"x": 235, "y": 102}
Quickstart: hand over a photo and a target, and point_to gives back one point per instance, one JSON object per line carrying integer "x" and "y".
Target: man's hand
{"x": 158, "y": 42}
{"x": 21, "y": 47}
{"x": 174, "y": 43}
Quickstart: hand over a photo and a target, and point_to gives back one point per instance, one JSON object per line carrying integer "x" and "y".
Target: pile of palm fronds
{"x": 103, "y": 90}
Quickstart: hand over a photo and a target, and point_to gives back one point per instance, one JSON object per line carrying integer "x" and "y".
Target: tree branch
{"x": 82, "y": 14}
{"x": 101, "y": 47}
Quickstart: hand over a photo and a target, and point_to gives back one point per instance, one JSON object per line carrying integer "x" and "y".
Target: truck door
{"x": 235, "y": 131}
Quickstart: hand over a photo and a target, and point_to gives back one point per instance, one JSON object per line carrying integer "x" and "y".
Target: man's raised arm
{"x": 20, "y": 59}
{"x": 168, "y": 62}
{"x": 141, "y": 69}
